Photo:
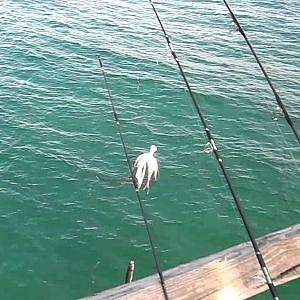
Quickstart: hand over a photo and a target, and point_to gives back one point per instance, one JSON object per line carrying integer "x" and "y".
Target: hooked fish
{"x": 145, "y": 171}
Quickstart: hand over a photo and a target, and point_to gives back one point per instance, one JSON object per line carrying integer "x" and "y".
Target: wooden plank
{"x": 230, "y": 274}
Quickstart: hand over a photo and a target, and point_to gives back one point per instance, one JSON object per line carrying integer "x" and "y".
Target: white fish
{"x": 146, "y": 168}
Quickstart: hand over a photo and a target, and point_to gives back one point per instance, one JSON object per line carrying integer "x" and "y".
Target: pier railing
{"x": 230, "y": 274}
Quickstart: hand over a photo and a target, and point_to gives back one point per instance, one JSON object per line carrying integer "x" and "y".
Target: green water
{"x": 63, "y": 234}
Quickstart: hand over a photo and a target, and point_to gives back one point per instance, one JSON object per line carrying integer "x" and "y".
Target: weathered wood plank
{"x": 230, "y": 274}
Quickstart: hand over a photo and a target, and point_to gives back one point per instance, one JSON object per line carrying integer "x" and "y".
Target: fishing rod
{"x": 141, "y": 204}
{"x": 277, "y": 97}
{"x": 219, "y": 158}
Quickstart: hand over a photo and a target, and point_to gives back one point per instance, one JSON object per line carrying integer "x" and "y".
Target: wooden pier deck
{"x": 230, "y": 274}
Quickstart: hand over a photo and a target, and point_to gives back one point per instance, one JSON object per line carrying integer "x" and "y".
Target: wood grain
{"x": 230, "y": 274}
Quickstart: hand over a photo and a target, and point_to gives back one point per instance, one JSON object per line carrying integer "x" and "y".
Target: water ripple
{"x": 58, "y": 134}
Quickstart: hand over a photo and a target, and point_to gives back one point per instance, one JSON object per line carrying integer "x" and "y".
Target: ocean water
{"x": 64, "y": 234}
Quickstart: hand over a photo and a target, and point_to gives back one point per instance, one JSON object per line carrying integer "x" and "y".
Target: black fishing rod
{"x": 277, "y": 97}
{"x": 222, "y": 166}
{"x": 141, "y": 204}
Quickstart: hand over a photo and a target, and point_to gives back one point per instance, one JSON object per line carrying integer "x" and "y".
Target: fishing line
{"x": 286, "y": 172}
{"x": 281, "y": 110}
{"x": 277, "y": 97}
{"x": 231, "y": 187}
{"x": 286, "y": 146}
{"x": 226, "y": 195}
{"x": 141, "y": 204}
